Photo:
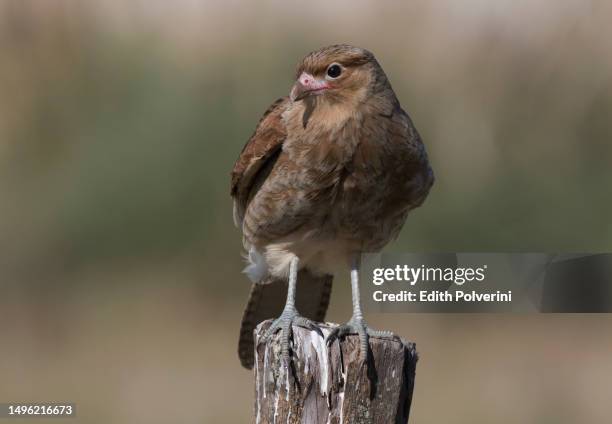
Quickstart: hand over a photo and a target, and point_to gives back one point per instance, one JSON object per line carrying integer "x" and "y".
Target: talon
{"x": 383, "y": 334}
{"x": 338, "y": 333}
{"x": 306, "y": 323}
{"x": 285, "y": 323}
{"x": 274, "y": 327}
{"x": 317, "y": 330}
{"x": 359, "y": 327}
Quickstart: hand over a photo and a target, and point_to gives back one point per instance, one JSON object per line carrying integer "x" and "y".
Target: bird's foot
{"x": 284, "y": 323}
{"x": 357, "y": 325}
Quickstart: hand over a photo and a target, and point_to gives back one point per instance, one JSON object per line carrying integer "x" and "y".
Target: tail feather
{"x": 267, "y": 299}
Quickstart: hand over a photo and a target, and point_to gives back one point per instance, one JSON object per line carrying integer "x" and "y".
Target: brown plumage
{"x": 330, "y": 172}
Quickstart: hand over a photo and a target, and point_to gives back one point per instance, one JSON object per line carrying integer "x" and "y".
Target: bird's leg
{"x": 289, "y": 315}
{"x": 357, "y": 324}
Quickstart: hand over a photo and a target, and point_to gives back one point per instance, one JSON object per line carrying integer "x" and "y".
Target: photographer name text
{"x": 411, "y": 276}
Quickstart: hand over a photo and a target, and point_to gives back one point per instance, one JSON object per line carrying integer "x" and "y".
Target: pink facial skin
{"x": 307, "y": 85}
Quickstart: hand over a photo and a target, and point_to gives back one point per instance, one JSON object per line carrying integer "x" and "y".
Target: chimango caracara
{"x": 330, "y": 172}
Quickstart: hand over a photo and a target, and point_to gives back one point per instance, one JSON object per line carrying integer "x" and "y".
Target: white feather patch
{"x": 257, "y": 268}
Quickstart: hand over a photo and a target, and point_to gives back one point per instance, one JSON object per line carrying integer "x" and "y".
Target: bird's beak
{"x": 306, "y": 85}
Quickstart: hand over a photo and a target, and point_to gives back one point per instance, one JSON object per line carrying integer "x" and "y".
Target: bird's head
{"x": 337, "y": 73}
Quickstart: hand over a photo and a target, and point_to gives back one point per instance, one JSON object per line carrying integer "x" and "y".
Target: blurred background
{"x": 120, "y": 269}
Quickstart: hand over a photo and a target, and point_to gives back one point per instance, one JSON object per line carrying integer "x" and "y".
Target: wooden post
{"x": 331, "y": 386}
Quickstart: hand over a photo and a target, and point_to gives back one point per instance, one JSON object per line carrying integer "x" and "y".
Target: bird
{"x": 330, "y": 173}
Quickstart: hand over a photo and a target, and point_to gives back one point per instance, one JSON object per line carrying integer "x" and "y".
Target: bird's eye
{"x": 334, "y": 71}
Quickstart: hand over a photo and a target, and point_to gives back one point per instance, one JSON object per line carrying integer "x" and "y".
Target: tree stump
{"x": 331, "y": 385}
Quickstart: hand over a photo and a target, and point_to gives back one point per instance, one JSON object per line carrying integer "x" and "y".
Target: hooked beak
{"x": 306, "y": 85}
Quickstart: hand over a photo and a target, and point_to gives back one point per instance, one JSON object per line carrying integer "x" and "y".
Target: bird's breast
{"x": 354, "y": 180}
{"x": 336, "y": 190}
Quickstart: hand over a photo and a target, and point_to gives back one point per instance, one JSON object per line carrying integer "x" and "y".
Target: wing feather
{"x": 257, "y": 156}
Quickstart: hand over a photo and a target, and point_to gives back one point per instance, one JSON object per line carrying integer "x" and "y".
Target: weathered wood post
{"x": 331, "y": 385}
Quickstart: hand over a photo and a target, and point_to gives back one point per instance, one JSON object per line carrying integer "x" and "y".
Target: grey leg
{"x": 290, "y": 315}
{"x": 357, "y": 324}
